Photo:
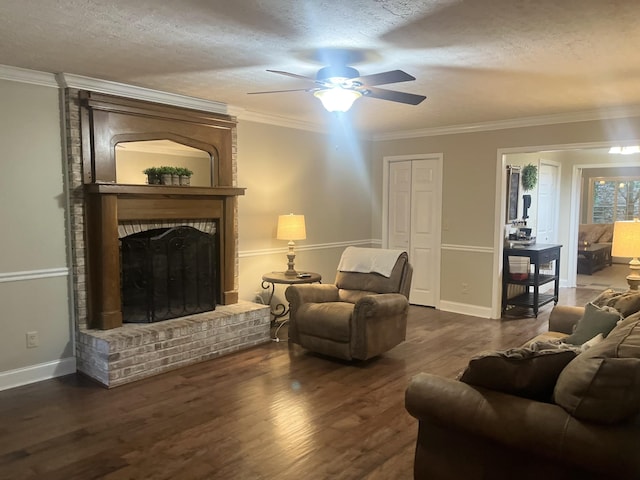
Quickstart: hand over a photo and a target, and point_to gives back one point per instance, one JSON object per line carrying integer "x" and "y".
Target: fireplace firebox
{"x": 167, "y": 273}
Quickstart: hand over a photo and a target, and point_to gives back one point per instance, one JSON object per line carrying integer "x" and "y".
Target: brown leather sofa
{"x": 358, "y": 317}
{"x": 470, "y": 432}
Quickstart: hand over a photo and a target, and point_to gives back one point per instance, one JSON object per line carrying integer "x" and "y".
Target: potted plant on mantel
{"x": 166, "y": 174}
{"x": 185, "y": 175}
{"x": 153, "y": 175}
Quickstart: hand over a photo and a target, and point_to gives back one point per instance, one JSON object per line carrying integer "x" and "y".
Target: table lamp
{"x": 291, "y": 227}
{"x": 626, "y": 243}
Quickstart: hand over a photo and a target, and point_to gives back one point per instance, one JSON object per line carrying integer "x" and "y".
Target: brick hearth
{"x": 136, "y": 351}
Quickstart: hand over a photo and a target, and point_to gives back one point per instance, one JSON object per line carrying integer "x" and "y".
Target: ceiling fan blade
{"x": 283, "y": 91}
{"x": 392, "y": 76}
{"x": 294, "y": 75}
{"x": 393, "y": 96}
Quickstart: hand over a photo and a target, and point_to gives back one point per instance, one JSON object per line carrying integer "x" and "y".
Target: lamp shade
{"x": 626, "y": 239}
{"x": 291, "y": 227}
{"x": 337, "y": 99}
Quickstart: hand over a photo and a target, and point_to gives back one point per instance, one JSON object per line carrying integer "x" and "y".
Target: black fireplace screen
{"x": 167, "y": 273}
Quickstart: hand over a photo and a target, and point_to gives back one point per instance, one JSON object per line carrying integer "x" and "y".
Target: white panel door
{"x": 414, "y": 192}
{"x": 548, "y": 190}
{"x": 399, "y": 205}
{"x": 424, "y": 175}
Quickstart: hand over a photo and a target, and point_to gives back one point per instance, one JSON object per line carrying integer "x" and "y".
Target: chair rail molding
{"x": 34, "y": 274}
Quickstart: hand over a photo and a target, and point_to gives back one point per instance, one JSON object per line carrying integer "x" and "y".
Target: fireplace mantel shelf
{"x": 122, "y": 189}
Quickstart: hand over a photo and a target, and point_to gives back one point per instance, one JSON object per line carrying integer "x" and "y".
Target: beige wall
{"x": 469, "y": 192}
{"x": 325, "y": 177}
{"x": 334, "y": 180}
{"x": 34, "y": 291}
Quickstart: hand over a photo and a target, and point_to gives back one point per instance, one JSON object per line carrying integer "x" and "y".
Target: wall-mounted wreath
{"x": 529, "y": 177}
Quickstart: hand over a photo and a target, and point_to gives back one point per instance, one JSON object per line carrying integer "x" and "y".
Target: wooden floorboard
{"x": 271, "y": 412}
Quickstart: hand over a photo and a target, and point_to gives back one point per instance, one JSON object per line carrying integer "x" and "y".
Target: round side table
{"x": 269, "y": 281}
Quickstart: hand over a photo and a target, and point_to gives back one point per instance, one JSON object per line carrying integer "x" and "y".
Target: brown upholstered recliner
{"x": 359, "y": 317}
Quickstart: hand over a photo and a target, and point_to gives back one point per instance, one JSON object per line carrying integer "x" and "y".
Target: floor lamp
{"x": 291, "y": 227}
{"x": 626, "y": 243}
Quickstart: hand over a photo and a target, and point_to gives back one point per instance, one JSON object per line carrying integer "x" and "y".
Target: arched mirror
{"x": 134, "y": 158}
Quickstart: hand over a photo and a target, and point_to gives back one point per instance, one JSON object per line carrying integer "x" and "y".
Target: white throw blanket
{"x": 367, "y": 260}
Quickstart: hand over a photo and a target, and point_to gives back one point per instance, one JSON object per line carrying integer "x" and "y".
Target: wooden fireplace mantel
{"x": 121, "y": 189}
{"x": 110, "y": 204}
{"x": 106, "y": 121}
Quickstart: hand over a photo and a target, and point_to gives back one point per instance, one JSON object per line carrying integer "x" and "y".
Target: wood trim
{"x": 112, "y": 103}
{"x": 110, "y": 204}
{"x": 108, "y": 120}
{"x": 104, "y": 262}
{"x": 165, "y": 190}
{"x": 138, "y": 208}
{"x": 228, "y": 247}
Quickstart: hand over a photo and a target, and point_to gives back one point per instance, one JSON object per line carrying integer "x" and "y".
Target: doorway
{"x": 412, "y": 204}
{"x": 572, "y": 159}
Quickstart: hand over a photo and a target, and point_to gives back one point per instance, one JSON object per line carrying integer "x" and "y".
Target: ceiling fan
{"x": 338, "y": 86}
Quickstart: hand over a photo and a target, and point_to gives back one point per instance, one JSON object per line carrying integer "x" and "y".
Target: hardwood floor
{"x": 272, "y": 412}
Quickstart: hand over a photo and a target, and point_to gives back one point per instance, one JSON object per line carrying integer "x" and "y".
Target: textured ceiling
{"x": 476, "y": 60}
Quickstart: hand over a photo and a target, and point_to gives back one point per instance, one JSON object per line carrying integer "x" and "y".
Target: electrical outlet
{"x": 33, "y": 340}
{"x": 465, "y": 288}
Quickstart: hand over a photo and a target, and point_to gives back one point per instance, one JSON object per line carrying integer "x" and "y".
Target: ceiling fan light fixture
{"x": 337, "y": 99}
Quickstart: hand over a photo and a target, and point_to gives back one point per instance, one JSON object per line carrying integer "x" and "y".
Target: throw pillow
{"x": 594, "y": 321}
{"x": 591, "y": 343}
{"x": 603, "y": 384}
{"x": 594, "y": 233}
{"x": 607, "y": 235}
{"x": 626, "y": 303}
{"x": 603, "y": 298}
{"x": 520, "y": 371}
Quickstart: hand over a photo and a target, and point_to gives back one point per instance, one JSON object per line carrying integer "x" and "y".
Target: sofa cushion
{"x": 603, "y": 384}
{"x": 554, "y": 337}
{"x": 607, "y": 235}
{"x": 594, "y": 321}
{"x": 590, "y": 233}
{"x": 524, "y": 372}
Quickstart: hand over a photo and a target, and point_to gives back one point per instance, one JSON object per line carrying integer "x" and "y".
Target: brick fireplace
{"x": 107, "y": 350}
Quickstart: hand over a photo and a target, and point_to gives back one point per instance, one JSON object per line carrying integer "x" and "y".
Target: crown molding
{"x": 24, "y": 75}
{"x": 584, "y": 116}
{"x": 67, "y": 80}
{"x": 276, "y": 120}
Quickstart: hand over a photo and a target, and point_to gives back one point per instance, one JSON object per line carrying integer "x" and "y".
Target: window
{"x": 614, "y": 199}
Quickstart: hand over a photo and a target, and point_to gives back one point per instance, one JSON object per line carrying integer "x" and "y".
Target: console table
{"x": 538, "y": 254}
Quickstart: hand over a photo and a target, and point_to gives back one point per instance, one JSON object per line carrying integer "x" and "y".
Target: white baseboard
{"x": 465, "y": 309}
{"x": 37, "y": 373}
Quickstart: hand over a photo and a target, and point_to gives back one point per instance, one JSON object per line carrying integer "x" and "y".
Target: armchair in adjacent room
{"x": 363, "y": 314}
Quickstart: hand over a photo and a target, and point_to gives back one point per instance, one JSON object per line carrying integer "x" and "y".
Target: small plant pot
{"x": 175, "y": 179}
{"x": 185, "y": 180}
{"x": 153, "y": 179}
{"x": 167, "y": 179}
